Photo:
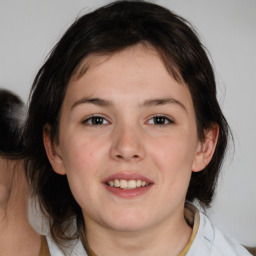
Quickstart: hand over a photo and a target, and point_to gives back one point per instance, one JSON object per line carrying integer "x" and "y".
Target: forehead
{"x": 95, "y": 59}
{"x": 139, "y": 68}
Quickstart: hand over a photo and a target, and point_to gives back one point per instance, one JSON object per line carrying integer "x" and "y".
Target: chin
{"x": 128, "y": 222}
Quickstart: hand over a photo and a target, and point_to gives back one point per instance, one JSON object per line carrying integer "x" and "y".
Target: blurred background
{"x": 29, "y": 29}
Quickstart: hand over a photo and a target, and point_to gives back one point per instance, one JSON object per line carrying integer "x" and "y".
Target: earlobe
{"x": 53, "y": 151}
{"x": 206, "y": 148}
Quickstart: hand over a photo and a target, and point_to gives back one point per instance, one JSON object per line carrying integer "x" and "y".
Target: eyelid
{"x": 169, "y": 119}
{"x": 85, "y": 120}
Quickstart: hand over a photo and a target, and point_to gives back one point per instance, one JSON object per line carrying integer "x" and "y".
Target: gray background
{"x": 29, "y": 29}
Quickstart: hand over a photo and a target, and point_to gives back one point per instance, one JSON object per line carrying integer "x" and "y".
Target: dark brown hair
{"x": 107, "y": 30}
{"x": 12, "y": 116}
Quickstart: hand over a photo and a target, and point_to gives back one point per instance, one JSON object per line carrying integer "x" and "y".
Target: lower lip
{"x": 128, "y": 193}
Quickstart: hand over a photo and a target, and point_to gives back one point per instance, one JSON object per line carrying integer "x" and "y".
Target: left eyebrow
{"x": 162, "y": 101}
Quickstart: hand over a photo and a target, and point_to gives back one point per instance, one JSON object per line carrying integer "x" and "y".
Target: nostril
{"x": 123, "y": 157}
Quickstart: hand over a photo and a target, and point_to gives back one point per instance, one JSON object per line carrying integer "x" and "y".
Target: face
{"x": 127, "y": 141}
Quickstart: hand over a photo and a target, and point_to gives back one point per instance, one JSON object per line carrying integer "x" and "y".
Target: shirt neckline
{"x": 191, "y": 215}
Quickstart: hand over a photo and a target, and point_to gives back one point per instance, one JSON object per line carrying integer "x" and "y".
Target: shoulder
{"x": 75, "y": 248}
{"x": 209, "y": 241}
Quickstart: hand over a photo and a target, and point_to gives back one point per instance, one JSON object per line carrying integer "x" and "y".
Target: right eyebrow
{"x": 94, "y": 101}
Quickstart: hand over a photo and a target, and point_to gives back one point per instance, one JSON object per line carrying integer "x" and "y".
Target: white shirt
{"x": 209, "y": 241}
{"x": 75, "y": 249}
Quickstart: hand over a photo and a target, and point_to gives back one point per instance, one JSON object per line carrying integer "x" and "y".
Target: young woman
{"x": 17, "y": 237}
{"x": 123, "y": 129}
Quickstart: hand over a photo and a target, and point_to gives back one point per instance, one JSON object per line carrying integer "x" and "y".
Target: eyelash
{"x": 158, "y": 120}
{"x": 161, "y": 119}
{"x": 95, "y": 120}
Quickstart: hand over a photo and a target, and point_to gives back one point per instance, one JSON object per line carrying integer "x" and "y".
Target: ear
{"x": 206, "y": 148}
{"x": 53, "y": 151}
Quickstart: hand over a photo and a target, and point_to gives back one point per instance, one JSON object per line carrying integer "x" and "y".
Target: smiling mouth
{"x": 127, "y": 184}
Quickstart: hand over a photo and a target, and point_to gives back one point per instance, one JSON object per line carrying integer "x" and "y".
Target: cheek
{"x": 174, "y": 154}
{"x": 80, "y": 154}
{"x": 79, "y": 171}
{"x": 173, "y": 158}
{"x": 82, "y": 161}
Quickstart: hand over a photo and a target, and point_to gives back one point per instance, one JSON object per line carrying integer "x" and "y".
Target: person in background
{"x": 17, "y": 237}
{"x": 124, "y": 133}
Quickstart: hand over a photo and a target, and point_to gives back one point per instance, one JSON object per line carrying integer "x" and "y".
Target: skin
{"x": 17, "y": 237}
{"x": 132, "y": 87}
{"x": 5, "y": 182}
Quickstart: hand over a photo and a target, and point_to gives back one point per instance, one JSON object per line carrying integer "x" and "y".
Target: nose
{"x": 127, "y": 145}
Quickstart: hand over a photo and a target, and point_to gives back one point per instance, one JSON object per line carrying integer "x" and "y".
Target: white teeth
{"x": 138, "y": 183}
{"x": 124, "y": 184}
{"x": 116, "y": 183}
{"x": 111, "y": 183}
{"x": 132, "y": 184}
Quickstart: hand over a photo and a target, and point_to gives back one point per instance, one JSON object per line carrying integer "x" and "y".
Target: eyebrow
{"x": 147, "y": 103}
{"x": 162, "y": 101}
{"x": 94, "y": 101}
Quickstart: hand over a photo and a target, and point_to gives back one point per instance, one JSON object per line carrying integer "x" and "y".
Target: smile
{"x": 127, "y": 184}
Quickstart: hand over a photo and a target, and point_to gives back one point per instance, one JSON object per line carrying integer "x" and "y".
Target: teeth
{"x": 123, "y": 184}
{"x": 132, "y": 184}
{"x": 117, "y": 183}
{"x": 138, "y": 183}
{"x": 127, "y": 184}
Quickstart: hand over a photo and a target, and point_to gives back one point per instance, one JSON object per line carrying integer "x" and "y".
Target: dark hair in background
{"x": 108, "y": 30}
{"x": 12, "y": 115}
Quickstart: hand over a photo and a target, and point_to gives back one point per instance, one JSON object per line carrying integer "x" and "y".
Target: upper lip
{"x": 127, "y": 176}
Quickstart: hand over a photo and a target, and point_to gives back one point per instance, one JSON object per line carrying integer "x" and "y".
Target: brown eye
{"x": 160, "y": 120}
{"x": 95, "y": 120}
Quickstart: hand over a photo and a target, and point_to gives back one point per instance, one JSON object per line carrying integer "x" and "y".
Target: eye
{"x": 160, "y": 120}
{"x": 95, "y": 120}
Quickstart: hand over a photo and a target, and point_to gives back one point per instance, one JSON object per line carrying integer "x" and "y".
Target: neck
{"x": 17, "y": 237}
{"x": 166, "y": 239}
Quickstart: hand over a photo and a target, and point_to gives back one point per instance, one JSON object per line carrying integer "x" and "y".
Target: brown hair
{"x": 12, "y": 116}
